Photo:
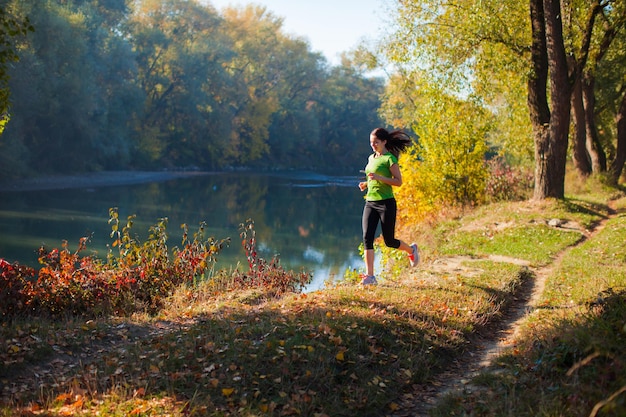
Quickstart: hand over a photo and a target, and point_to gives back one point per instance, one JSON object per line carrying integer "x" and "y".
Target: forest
{"x": 91, "y": 85}
{"x": 174, "y": 84}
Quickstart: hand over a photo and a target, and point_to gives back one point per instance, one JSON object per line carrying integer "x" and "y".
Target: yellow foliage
{"x": 413, "y": 204}
{"x": 446, "y": 168}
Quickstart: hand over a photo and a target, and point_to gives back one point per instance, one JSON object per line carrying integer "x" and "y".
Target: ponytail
{"x": 397, "y": 140}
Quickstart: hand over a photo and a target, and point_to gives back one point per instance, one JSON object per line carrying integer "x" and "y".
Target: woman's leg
{"x": 370, "y": 223}
{"x": 388, "y": 224}
{"x": 369, "y": 262}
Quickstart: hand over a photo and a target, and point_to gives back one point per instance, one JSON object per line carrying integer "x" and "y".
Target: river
{"x": 311, "y": 221}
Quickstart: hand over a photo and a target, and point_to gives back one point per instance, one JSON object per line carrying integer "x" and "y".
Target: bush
{"x": 141, "y": 276}
{"x": 269, "y": 276}
{"x": 506, "y": 183}
{"x": 14, "y": 279}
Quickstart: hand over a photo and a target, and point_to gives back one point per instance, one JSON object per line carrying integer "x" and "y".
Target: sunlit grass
{"x": 569, "y": 359}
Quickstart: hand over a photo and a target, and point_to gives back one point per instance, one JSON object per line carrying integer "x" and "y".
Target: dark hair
{"x": 397, "y": 140}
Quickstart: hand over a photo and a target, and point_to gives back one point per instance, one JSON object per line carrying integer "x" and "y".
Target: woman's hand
{"x": 395, "y": 180}
{"x": 363, "y": 186}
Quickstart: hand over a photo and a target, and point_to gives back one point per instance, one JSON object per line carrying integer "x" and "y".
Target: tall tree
{"x": 11, "y": 28}
{"x": 348, "y": 112}
{"x": 180, "y": 49}
{"x": 256, "y": 70}
{"x": 65, "y": 115}
{"x": 601, "y": 25}
{"x": 478, "y": 38}
{"x": 551, "y": 138}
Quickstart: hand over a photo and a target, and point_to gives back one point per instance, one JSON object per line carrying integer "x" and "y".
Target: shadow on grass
{"x": 576, "y": 367}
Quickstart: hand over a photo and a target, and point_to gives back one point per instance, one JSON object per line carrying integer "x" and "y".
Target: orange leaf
{"x": 78, "y": 403}
{"x": 227, "y": 392}
{"x": 339, "y": 356}
{"x": 64, "y": 397}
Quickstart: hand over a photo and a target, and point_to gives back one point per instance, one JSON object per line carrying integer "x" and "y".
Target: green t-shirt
{"x": 377, "y": 190}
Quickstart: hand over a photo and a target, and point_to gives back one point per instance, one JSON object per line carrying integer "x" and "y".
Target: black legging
{"x": 383, "y": 211}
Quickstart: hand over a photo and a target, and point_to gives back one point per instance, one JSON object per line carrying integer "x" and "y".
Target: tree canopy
{"x": 175, "y": 84}
{"x": 11, "y": 29}
{"x": 522, "y": 61}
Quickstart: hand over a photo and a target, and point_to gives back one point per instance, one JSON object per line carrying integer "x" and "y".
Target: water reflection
{"x": 311, "y": 221}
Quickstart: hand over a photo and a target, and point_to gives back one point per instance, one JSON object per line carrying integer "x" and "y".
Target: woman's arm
{"x": 396, "y": 176}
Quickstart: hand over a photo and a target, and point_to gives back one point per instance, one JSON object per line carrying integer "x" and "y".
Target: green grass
{"x": 346, "y": 350}
{"x": 537, "y": 244}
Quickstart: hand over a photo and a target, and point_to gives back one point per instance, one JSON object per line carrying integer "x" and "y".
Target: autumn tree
{"x": 347, "y": 112}
{"x": 484, "y": 42}
{"x": 150, "y": 84}
{"x": 598, "y": 146}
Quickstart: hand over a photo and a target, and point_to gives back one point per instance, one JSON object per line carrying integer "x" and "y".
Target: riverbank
{"x": 94, "y": 180}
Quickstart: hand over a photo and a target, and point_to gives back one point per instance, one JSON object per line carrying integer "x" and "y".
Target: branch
{"x": 602, "y": 403}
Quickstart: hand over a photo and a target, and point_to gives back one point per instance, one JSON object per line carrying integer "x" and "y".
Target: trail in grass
{"x": 486, "y": 348}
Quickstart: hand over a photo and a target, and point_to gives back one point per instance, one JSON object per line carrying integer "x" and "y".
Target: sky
{"x": 330, "y": 26}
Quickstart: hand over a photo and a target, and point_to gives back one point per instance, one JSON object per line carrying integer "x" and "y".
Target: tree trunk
{"x": 620, "y": 155}
{"x": 538, "y": 100}
{"x": 580, "y": 157}
{"x": 553, "y": 152}
{"x": 596, "y": 153}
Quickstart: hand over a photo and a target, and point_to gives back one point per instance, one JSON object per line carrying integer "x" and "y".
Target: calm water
{"x": 310, "y": 220}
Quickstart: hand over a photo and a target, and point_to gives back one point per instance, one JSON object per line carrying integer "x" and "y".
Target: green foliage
{"x": 11, "y": 29}
{"x": 483, "y": 49}
{"x": 68, "y": 92}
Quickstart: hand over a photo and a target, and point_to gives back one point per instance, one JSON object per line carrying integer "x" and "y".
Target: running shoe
{"x": 369, "y": 280}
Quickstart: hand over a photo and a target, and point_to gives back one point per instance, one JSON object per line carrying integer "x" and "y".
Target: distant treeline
{"x": 171, "y": 84}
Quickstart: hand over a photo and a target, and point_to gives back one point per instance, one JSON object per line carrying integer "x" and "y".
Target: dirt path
{"x": 458, "y": 376}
